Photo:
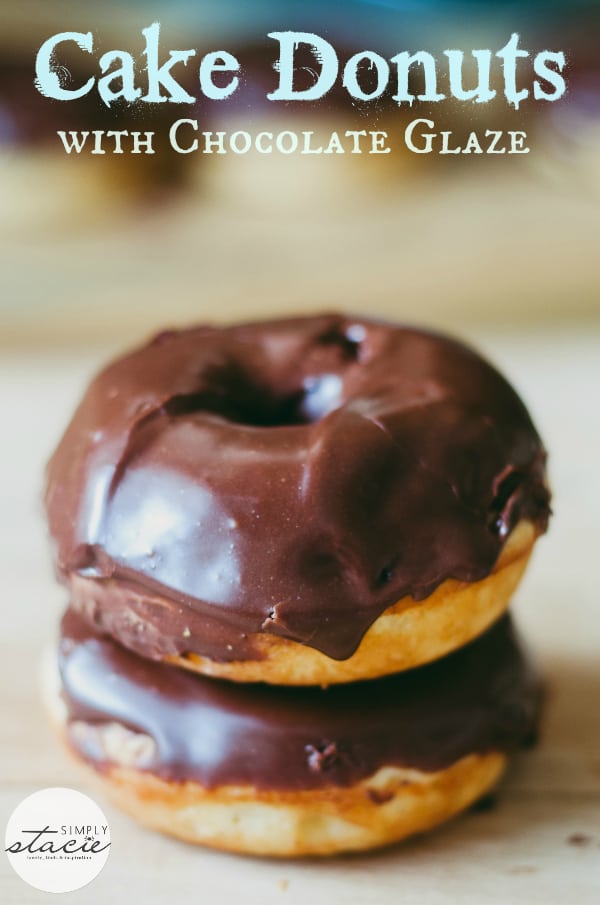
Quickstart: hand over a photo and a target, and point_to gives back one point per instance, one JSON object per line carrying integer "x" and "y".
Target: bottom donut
{"x": 295, "y": 771}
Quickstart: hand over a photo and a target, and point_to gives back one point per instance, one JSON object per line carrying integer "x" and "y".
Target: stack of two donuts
{"x": 289, "y": 548}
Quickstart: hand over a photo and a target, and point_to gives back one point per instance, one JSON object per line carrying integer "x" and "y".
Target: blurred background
{"x": 103, "y": 250}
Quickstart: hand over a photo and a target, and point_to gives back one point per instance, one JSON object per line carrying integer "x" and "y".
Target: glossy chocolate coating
{"x": 294, "y": 477}
{"x": 482, "y": 698}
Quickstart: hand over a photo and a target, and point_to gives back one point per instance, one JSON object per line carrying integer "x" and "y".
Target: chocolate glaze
{"x": 482, "y": 698}
{"x": 294, "y": 477}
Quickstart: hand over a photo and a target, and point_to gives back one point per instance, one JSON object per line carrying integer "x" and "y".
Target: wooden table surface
{"x": 540, "y": 843}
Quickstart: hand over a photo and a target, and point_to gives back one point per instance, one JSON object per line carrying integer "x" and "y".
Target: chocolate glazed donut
{"x": 294, "y": 771}
{"x": 224, "y": 495}
{"x": 482, "y": 698}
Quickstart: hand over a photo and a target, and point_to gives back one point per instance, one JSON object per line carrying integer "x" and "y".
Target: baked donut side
{"x": 407, "y": 635}
{"x": 388, "y": 807}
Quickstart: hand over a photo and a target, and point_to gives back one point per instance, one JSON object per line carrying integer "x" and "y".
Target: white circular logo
{"x": 57, "y": 840}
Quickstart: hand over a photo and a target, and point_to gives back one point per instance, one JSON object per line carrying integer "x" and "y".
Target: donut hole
{"x": 233, "y": 392}
{"x": 250, "y": 407}
{"x": 235, "y": 397}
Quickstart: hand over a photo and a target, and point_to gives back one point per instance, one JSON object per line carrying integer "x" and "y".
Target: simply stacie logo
{"x": 57, "y": 840}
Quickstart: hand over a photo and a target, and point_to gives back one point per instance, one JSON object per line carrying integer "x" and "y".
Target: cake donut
{"x": 303, "y": 501}
{"x": 294, "y": 771}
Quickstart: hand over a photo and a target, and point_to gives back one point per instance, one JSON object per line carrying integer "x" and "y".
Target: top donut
{"x": 300, "y": 501}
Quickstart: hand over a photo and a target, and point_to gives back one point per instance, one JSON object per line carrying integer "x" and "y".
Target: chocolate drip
{"x": 318, "y": 469}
